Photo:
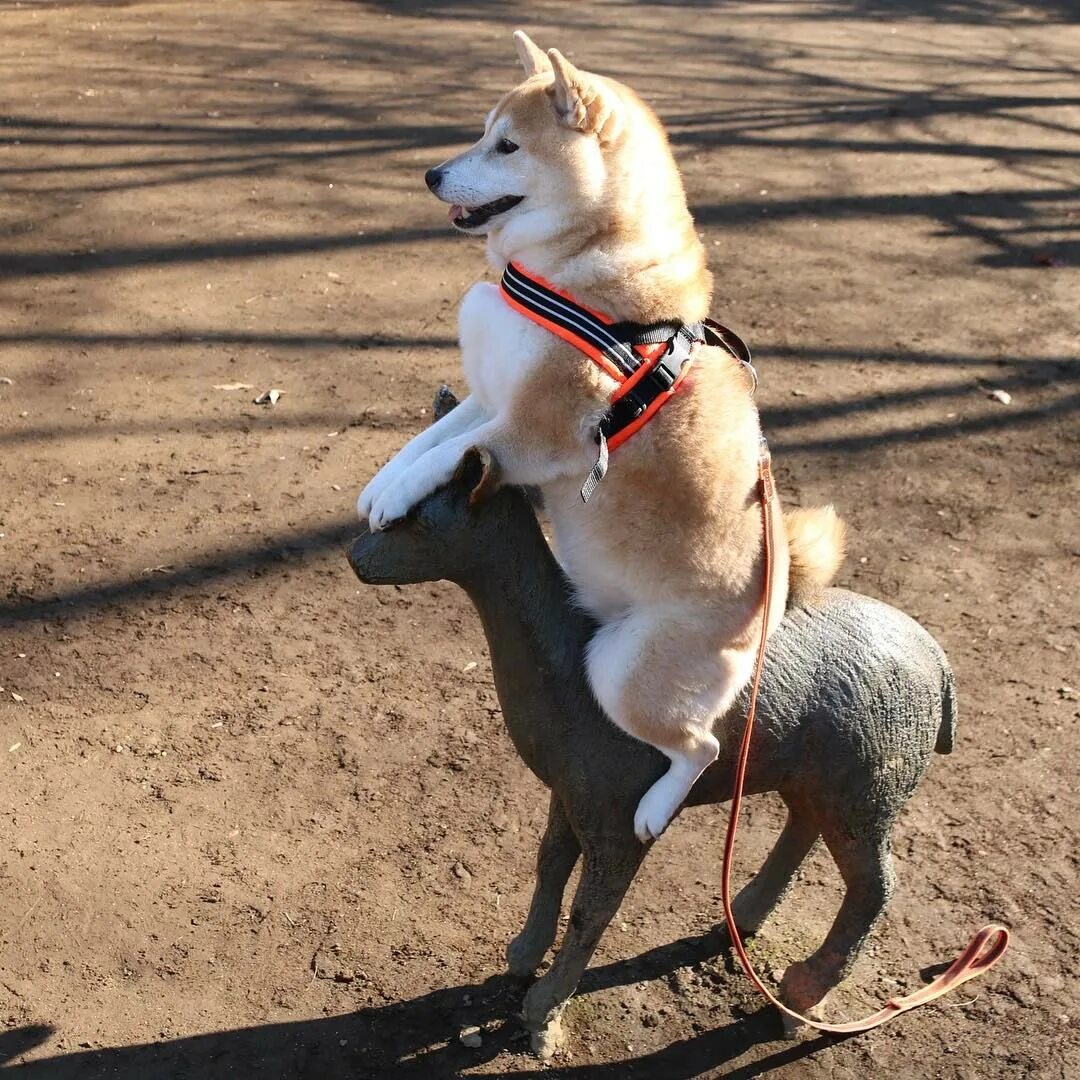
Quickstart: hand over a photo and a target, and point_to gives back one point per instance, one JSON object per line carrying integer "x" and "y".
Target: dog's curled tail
{"x": 816, "y": 544}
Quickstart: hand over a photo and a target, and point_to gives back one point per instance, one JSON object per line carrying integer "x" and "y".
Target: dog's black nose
{"x": 433, "y": 178}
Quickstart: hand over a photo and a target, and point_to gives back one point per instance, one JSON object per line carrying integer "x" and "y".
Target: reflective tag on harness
{"x": 598, "y": 471}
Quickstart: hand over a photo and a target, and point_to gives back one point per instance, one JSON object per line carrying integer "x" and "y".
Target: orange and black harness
{"x": 649, "y": 362}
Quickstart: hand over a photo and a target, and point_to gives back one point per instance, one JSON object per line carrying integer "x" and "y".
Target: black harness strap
{"x": 574, "y": 320}
{"x": 614, "y": 347}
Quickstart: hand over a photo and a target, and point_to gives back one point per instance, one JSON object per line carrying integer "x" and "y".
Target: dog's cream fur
{"x": 667, "y": 555}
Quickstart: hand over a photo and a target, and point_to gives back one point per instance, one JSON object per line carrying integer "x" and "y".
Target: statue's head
{"x": 454, "y": 533}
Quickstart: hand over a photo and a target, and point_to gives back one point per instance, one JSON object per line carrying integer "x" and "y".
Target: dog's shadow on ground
{"x": 418, "y": 1039}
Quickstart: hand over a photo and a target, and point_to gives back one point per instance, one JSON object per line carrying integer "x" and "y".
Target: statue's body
{"x": 855, "y": 697}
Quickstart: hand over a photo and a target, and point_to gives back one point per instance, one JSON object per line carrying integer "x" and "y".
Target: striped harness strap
{"x": 649, "y": 362}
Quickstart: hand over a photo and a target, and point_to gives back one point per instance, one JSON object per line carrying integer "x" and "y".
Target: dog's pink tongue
{"x": 456, "y": 212}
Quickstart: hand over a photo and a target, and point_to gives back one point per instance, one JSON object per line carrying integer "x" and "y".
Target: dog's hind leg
{"x": 559, "y": 851}
{"x": 656, "y": 675}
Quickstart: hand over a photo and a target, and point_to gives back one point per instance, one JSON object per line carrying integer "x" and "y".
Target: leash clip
{"x": 716, "y": 333}
{"x": 765, "y": 477}
{"x": 598, "y": 471}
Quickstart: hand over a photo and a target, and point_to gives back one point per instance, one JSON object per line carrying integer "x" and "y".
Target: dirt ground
{"x": 259, "y": 821}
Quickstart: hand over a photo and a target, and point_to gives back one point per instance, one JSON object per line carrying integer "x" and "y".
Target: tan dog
{"x": 574, "y": 181}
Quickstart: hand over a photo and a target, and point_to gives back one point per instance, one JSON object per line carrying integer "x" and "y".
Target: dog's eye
{"x": 505, "y": 146}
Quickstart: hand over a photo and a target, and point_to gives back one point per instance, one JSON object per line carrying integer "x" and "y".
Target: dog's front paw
{"x": 367, "y": 497}
{"x": 389, "y": 506}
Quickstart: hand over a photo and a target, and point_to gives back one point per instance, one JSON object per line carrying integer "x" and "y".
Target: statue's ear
{"x": 479, "y": 471}
{"x": 445, "y": 401}
{"x": 582, "y": 101}
{"x": 534, "y": 60}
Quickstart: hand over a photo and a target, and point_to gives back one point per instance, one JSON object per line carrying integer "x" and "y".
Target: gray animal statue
{"x": 855, "y": 696}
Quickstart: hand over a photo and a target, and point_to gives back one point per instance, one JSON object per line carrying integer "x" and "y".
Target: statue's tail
{"x": 816, "y": 543}
{"x": 946, "y": 735}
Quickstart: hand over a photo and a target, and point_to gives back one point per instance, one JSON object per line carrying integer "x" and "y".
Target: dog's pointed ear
{"x": 479, "y": 469}
{"x": 581, "y": 100}
{"x": 533, "y": 59}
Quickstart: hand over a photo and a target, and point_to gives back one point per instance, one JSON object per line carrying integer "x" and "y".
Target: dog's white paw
{"x": 369, "y": 496}
{"x": 654, "y": 813}
{"x": 390, "y": 506}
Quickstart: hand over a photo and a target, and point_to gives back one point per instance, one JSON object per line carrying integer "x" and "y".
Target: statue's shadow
{"x": 417, "y": 1039}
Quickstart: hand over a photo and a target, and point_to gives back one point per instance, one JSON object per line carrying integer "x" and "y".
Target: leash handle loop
{"x": 983, "y": 951}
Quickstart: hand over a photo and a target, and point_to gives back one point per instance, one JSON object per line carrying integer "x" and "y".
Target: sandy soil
{"x": 259, "y": 821}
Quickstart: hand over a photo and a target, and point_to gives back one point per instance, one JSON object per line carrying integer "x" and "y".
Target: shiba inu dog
{"x": 573, "y": 183}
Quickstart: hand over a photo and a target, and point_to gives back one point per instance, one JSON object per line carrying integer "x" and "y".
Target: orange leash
{"x": 985, "y": 948}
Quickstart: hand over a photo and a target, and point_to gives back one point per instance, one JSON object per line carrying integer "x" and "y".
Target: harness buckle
{"x": 669, "y": 366}
{"x": 665, "y": 370}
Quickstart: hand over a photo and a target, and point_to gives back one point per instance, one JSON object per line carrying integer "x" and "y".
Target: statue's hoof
{"x": 802, "y": 991}
{"x": 794, "y": 1029}
{"x": 521, "y": 958}
{"x": 549, "y": 1040}
{"x": 750, "y": 913}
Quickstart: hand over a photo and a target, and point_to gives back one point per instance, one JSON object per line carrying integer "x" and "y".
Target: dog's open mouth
{"x": 463, "y": 217}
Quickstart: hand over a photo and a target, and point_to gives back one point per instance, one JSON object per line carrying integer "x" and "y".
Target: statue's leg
{"x": 865, "y": 863}
{"x": 758, "y": 898}
{"x": 559, "y": 851}
{"x": 605, "y": 877}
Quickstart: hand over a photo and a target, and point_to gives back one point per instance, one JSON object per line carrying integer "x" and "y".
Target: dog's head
{"x": 564, "y": 154}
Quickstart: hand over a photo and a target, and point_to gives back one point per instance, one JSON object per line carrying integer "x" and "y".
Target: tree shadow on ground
{"x": 949, "y": 11}
{"x": 417, "y": 1039}
{"x": 826, "y": 109}
{"x": 786, "y": 426}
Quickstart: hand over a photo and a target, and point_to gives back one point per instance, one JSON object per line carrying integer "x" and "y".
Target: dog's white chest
{"x": 499, "y": 347}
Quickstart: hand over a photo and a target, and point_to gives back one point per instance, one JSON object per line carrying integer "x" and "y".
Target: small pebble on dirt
{"x": 471, "y": 1037}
